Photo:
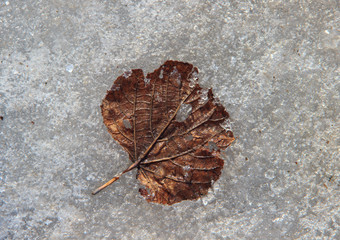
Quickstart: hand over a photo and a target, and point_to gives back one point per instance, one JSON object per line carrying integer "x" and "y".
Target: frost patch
{"x": 226, "y": 125}
{"x": 127, "y": 74}
{"x": 177, "y": 76}
{"x": 186, "y": 169}
{"x": 115, "y": 87}
{"x": 183, "y": 112}
{"x": 147, "y": 81}
{"x": 209, "y": 198}
{"x": 193, "y": 79}
{"x": 174, "y": 72}
{"x": 157, "y": 97}
{"x": 161, "y": 74}
{"x": 204, "y": 96}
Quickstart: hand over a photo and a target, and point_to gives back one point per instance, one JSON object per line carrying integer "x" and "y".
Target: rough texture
{"x": 273, "y": 65}
{"x": 175, "y": 157}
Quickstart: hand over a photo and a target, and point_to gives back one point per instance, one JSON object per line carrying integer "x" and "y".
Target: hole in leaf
{"x": 183, "y": 112}
{"x": 213, "y": 146}
{"x": 127, "y": 124}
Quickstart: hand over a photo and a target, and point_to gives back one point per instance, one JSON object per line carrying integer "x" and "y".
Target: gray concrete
{"x": 273, "y": 65}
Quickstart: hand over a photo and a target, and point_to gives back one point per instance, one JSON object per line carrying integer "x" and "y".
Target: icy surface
{"x": 274, "y": 66}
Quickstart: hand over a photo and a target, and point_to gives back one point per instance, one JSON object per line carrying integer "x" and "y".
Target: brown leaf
{"x": 171, "y": 128}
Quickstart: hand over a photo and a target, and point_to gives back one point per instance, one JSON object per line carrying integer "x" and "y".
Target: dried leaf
{"x": 171, "y": 128}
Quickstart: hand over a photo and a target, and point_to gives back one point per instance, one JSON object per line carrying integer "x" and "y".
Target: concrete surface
{"x": 274, "y": 66}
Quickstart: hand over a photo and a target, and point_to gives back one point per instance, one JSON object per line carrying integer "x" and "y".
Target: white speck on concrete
{"x": 69, "y": 68}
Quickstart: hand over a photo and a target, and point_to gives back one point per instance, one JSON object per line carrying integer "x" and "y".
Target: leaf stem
{"x": 105, "y": 185}
{"x": 132, "y": 166}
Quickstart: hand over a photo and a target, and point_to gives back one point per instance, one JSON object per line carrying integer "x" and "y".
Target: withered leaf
{"x": 172, "y": 129}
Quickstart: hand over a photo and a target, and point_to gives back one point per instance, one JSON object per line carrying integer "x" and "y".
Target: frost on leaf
{"x": 127, "y": 74}
{"x": 172, "y": 129}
